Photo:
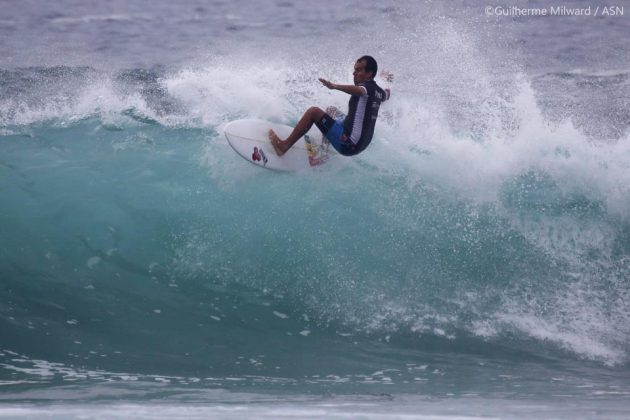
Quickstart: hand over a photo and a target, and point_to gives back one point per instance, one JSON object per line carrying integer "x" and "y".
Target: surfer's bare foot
{"x": 277, "y": 144}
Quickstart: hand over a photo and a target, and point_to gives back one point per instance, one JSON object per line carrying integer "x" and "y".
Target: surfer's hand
{"x": 327, "y": 83}
{"x": 387, "y": 76}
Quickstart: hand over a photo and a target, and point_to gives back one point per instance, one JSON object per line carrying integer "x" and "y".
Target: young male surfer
{"x": 350, "y": 134}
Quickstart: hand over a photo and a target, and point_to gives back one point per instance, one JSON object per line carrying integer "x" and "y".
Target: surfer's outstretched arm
{"x": 388, "y": 77}
{"x": 349, "y": 89}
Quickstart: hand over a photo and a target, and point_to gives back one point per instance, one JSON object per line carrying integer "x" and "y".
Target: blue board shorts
{"x": 333, "y": 130}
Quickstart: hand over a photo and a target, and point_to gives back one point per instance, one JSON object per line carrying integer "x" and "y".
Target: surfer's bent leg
{"x": 311, "y": 115}
{"x": 333, "y": 131}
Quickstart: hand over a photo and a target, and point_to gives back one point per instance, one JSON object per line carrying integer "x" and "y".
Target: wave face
{"x": 480, "y": 246}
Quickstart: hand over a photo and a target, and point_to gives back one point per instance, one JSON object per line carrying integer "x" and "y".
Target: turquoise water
{"x": 472, "y": 262}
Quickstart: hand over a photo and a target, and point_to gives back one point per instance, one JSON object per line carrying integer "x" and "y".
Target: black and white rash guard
{"x": 362, "y": 113}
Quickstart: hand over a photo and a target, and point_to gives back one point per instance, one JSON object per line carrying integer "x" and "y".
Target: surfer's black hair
{"x": 370, "y": 64}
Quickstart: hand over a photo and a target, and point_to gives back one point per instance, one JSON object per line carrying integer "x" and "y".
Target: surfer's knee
{"x": 315, "y": 113}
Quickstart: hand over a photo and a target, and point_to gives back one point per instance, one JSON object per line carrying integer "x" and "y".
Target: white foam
{"x": 280, "y": 315}
{"x": 93, "y": 261}
{"x": 570, "y": 336}
{"x": 226, "y": 90}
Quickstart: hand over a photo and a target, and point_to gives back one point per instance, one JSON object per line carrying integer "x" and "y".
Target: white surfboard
{"x": 249, "y": 138}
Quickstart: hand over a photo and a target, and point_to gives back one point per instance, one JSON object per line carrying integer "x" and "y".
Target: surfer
{"x": 350, "y": 134}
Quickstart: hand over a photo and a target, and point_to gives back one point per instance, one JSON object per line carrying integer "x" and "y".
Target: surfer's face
{"x": 359, "y": 74}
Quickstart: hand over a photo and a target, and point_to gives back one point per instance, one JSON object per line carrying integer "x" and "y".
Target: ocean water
{"x": 473, "y": 262}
